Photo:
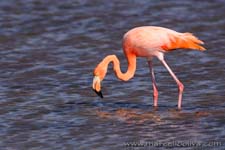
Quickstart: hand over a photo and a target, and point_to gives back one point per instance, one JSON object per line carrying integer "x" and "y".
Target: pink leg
{"x": 179, "y": 84}
{"x": 155, "y": 91}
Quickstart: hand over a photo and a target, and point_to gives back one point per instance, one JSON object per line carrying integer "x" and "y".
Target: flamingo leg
{"x": 155, "y": 90}
{"x": 179, "y": 84}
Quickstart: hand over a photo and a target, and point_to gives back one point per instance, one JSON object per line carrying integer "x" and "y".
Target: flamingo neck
{"x": 131, "y": 58}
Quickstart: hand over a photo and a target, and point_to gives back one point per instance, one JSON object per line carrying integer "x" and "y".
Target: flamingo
{"x": 148, "y": 42}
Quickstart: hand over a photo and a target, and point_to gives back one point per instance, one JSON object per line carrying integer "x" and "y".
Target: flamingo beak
{"x": 99, "y": 93}
{"x": 97, "y": 86}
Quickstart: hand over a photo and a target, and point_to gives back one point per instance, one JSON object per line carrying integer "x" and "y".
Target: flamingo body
{"x": 147, "y": 41}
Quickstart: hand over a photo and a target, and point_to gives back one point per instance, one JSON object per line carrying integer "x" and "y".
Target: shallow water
{"x": 50, "y": 48}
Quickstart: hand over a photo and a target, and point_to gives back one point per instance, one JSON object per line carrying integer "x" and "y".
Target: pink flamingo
{"x": 147, "y": 41}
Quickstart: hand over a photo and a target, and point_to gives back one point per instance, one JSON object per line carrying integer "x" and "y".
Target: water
{"x": 48, "y": 52}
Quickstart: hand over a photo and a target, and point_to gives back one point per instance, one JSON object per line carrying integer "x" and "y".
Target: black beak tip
{"x": 98, "y": 93}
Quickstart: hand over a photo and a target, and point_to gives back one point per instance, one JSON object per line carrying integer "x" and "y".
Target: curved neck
{"x": 131, "y": 58}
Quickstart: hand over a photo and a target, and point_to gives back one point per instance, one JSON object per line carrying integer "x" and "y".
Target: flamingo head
{"x": 99, "y": 74}
{"x": 96, "y": 85}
